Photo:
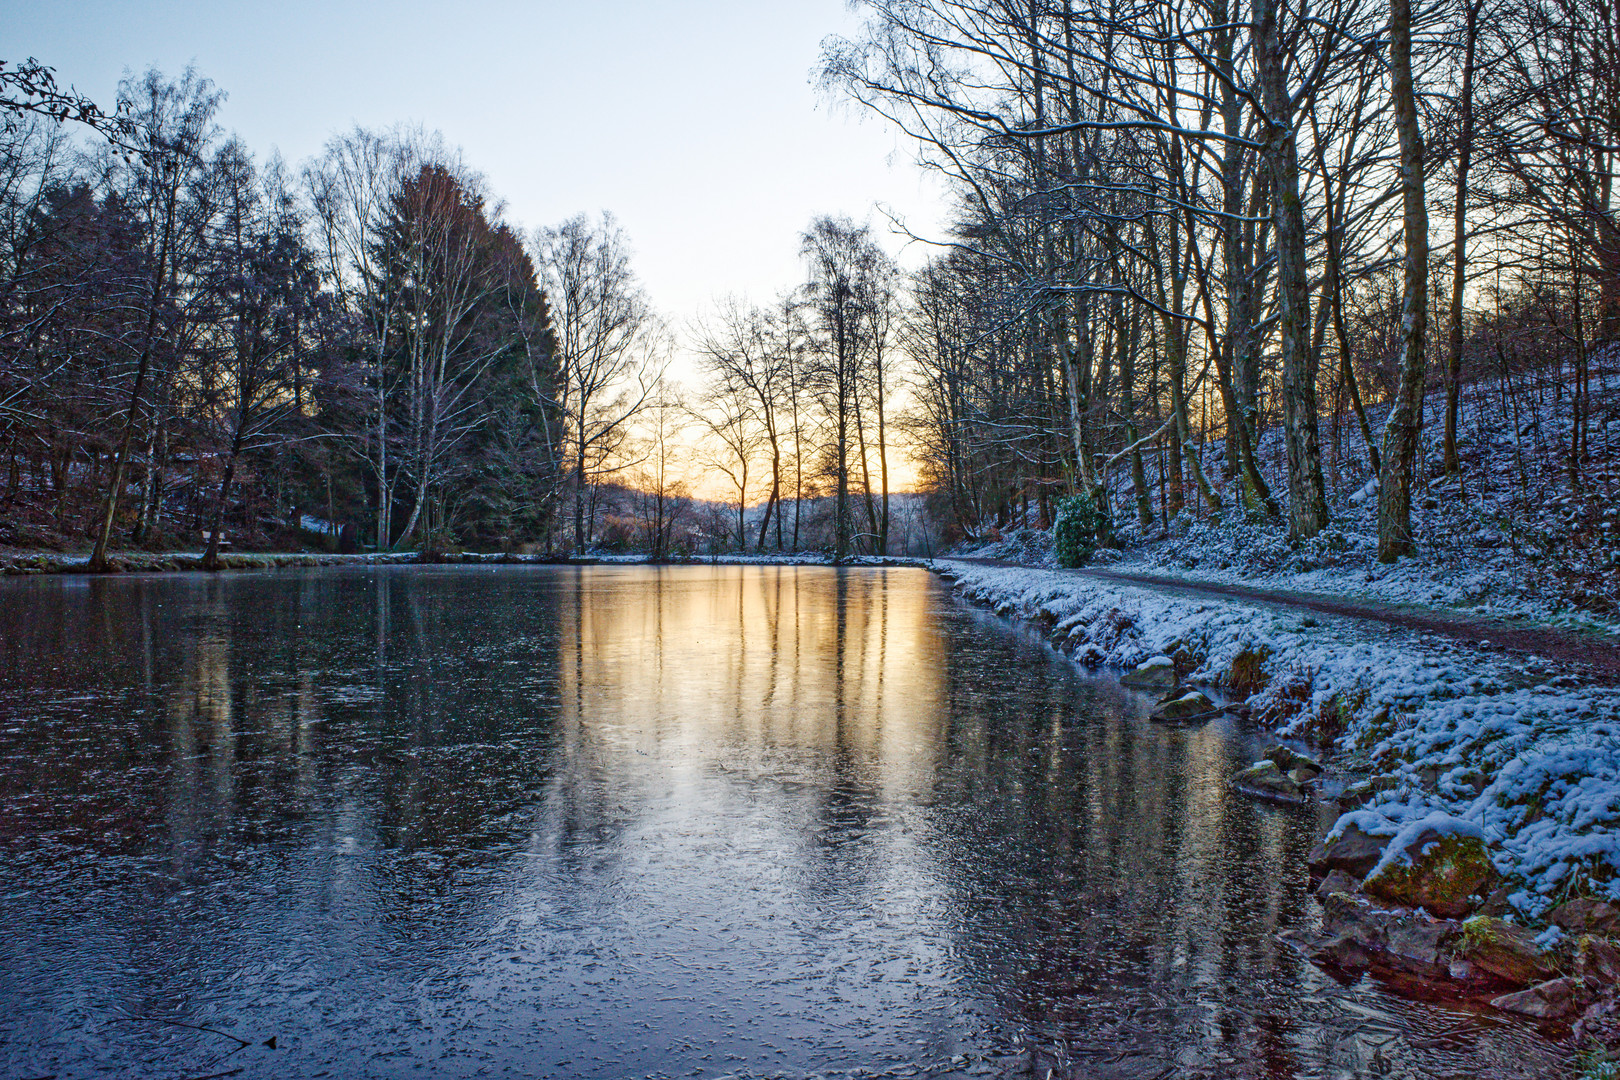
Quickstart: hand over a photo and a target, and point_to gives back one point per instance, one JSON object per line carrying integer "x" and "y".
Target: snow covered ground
{"x": 1514, "y": 748}
{"x": 1514, "y": 537}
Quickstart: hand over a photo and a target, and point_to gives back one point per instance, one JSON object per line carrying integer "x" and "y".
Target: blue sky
{"x": 697, "y": 124}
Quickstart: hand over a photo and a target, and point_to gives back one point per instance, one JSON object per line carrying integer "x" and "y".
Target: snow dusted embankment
{"x": 1529, "y": 758}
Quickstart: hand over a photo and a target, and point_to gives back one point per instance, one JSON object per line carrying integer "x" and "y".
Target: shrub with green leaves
{"x": 1074, "y": 532}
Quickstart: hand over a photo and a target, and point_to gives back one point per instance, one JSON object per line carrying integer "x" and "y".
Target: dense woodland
{"x": 362, "y": 352}
{"x": 1199, "y": 226}
{"x": 1207, "y": 260}
{"x": 199, "y": 344}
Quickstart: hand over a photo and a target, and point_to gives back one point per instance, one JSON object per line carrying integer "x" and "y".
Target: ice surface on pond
{"x": 630, "y": 821}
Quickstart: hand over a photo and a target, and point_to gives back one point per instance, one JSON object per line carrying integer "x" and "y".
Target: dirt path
{"x": 1591, "y": 653}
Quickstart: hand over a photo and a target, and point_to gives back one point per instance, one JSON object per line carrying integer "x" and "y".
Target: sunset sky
{"x": 699, "y": 125}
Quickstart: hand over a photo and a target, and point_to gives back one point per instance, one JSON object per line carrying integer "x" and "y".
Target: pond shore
{"x": 25, "y": 563}
{"x": 1435, "y": 750}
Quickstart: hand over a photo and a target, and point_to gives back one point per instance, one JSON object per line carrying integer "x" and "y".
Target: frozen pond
{"x": 634, "y": 821}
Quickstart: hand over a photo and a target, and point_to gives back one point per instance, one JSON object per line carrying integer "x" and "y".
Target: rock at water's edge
{"x": 1352, "y": 851}
{"x": 1360, "y": 936}
{"x": 1192, "y": 703}
{"x": 1337, "y": 881}
{"x": 1154, "y": 673}
{"x": 1288, "y": 760}
{"x": 1556, "y": 999}
{"x": 1508, "y": 952}
{"x": 1264, "y": 780}
{"x": 1448, "y": 875}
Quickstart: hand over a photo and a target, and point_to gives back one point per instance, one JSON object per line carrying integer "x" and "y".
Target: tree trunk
{"x": 866, "y": 473}
{"x": 579, "y": 498}
{"x": 841, "y": 514}
{"x": 883, "y": 466}
{"x": 776, "y": 492}
{"x": 1237, "y": 361}
{"x": 1335, "y": 276}
{"x": 1459, "y": 238}
{"x": 742, "y": 506}
{"x": 1127, "y": 386}
{"x": 98, "y": 557}
{"x": 211, "y": 556}
{"x": 1176, "y": 344}
{"x": 1405, "y": 421}
{"x": 1307, "y": 494}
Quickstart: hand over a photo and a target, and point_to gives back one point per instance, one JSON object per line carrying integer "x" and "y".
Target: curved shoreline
{"x": 1435, "y": 732}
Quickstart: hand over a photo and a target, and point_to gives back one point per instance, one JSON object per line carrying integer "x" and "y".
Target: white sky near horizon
{"x": 697, "y": 124}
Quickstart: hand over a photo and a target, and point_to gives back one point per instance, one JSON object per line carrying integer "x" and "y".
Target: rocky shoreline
{"x": 1427, "y": 904}
{"x": 1424, "y": 902}
{"x": 1433, "y": 898}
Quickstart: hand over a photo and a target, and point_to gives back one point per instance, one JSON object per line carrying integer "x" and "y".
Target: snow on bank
{"x": 1513, "y": 536}
{"x": 1509, "y": 748}
{"x": 1476, "y": 575}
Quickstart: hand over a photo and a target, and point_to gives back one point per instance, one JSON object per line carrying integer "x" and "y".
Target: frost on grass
{"x": 1512, "y": 535}
{"x": 1027, "y": 547}
{"x": 1476, "y": 743}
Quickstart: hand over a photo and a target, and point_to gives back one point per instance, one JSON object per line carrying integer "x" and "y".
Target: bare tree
{"x": 734, "y": 438}
{"x": 661, "y": 495}
{"x": 1463, "y": 155}
{"x": 1405, "y": 420}
{"x": 349, "y": 188}
{"x": 848, "y": 279}
{"x": 751, "y": 352}
{"x": 173, "y": 122}
{"x": 30, "y": 88}
{"x": 443, "y": 278}
{"x": 610, "y": 346}
{"x": 264, "y": 284}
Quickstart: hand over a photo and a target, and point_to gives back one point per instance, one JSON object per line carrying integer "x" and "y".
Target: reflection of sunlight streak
{"x": 202, "y": 727}
{"x": 706, "y": 666}
{"x": 740, "y": 749}
{"x": 743, "y": 724}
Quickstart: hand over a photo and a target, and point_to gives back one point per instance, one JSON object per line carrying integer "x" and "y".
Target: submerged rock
{"x": 1448, "y": 875}
{"x": 1359, "y": 936}
{"x": 1418, "y": 945}
{"x": 1154, "y": 673}
{"x": 1263, "y": 780}
{"x": 1352, "y": 851}
{"x": 1352, "y": 934}
{"x": 1290, "y": 760}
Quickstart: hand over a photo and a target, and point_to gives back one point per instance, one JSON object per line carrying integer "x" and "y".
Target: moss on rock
{"x": 1446, "y": 875}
